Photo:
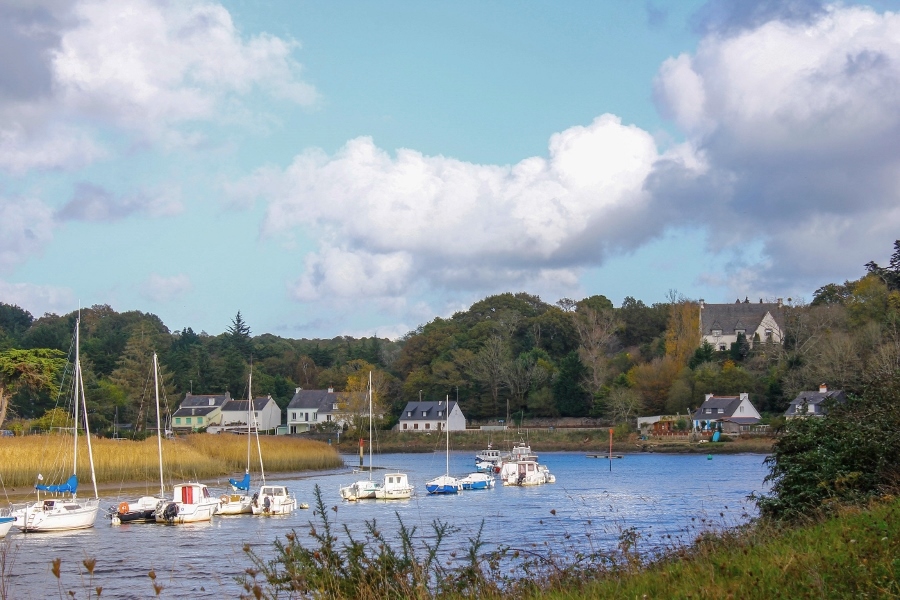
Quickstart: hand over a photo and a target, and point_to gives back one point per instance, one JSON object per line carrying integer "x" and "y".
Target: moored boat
{"x": 191, "y": 503}
{"x": 524, "y": 473}
{"x": 273, "y": 500}
{"x": 477, "y": 481}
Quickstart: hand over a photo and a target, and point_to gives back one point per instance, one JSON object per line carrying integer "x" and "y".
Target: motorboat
{"x": 477, "y": 481}
{"x": 191, "y": 503}
{"x": 273, "y": 500}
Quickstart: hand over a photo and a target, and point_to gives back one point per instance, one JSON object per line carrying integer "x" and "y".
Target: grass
{"x": 195, "y": 456}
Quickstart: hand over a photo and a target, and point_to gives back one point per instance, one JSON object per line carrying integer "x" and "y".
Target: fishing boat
{"x": 444, "y": 484}
{"x": 395, "y": 486}
{"x": 273, "y": 500}
{"x": 239, "y": 501}
{"x": 143, "y": 510}
{"x": 524, "y": 473}
{"x": 191, "y": 503}
{"x": 65, "y": 511}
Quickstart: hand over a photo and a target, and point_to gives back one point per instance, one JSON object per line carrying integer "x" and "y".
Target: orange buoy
{"x": 123, "y": 508}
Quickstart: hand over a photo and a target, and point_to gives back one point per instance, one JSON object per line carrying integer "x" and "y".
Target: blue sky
{"x": 358, "y": 168}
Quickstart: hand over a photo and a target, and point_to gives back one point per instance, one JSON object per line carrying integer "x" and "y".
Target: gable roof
{"x": 320, "y": 400}
{"x": 742, "y": 315}
{"x": 813, "y": 399}
{"x": 427, "y": 411}
{"x": 241, "y": 405}
{"x": 194, "y": 411}
{"x": 198, "y": 400}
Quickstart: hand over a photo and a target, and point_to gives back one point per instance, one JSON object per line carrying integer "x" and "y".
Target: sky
{"x": 360, "y": 168}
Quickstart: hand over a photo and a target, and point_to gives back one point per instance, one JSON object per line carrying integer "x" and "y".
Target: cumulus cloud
{"x": 147, "y": 68}
{"x": 38, "y": 299}
{"x": 26, "y": 226}
{"x": 798, "y": 124}
{"x": 159, "y": 288}
{"x": 92, "y": 202}
{"x": 387, "y": 223}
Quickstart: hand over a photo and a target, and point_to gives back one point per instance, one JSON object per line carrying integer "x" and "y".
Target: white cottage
{"x": 431, "y": 416}
{"x": 266, "y": 414}
{"x": 720, "y": 324}
{"x": 731, "y": 414}
{"x": 309, "y": 408}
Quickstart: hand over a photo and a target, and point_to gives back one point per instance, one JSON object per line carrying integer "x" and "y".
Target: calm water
{"x": 660, "y": 495}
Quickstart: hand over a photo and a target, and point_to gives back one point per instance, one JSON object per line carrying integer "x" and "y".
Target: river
{"x": 589, "y": 506}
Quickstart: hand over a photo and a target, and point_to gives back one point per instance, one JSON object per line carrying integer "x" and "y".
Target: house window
{"x": 720, "y": 410}
{"x": 409, "y": 413}
{"x": 427, "y": 425}
{"x": 306, "y": 416}
{"x": 741, "y": 409}
{"x": 440, "y": 413}
{"x": 199, "y": 420}
{"x": 424, "y": 414}
{"x": 178, "y": 420}
{"x": 334, "y": 406}
{"x": 293, "y": 416}
{"x": 415, "y": 425}
{"x": 717, "y": 332}
{"x": 721, "y": 347}
{"x": 328, "y": 418}
{"x": 187, "y": 421}
{"x": 768, "y": 334}
{"x": 404, "y": 426}
{"x": 707, "y": 411}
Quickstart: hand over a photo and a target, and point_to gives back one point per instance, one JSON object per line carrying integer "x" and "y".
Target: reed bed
{"x": 193, "y": 457}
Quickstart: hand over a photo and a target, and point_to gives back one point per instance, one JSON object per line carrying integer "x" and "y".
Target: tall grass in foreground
{"x": 853, "y": 555}
{"x": 194, "y": 456}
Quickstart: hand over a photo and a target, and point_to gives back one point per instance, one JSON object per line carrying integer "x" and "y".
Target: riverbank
{"x": 589, "y": 441}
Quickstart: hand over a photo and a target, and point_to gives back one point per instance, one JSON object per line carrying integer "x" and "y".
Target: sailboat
{"x": 394, "y": 486}
{"x": 65, "y": 514}
{"x": 444, "y": 484}
{"x": 144, "y": 509}
{"x": 270, "y": 499}
{"x": 239, "y": 502}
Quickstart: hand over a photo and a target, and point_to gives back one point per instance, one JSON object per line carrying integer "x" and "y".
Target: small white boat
{"x": 273, "y": 500}
{"x": 444, "y": 484}
{"x": 525, "y": 472}
{"x": 6, "y": 524}
{"x": 395, "y": 487}
{"x": 477, "y": 481}
{"x": 191, "y": 503}
{"x": 490, "y": 455}
{"x": 364, "y": 489}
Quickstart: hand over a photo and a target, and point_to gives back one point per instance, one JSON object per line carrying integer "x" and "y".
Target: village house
{"x": 663, "y": 424}
{"x": 720, "y": 324}
{"x": 431, "y": 416}
{"x": 729, "y": 414}
{"x": 811, "y": 404}
{"x": 309, "y": 408}
{"x": 198, "y": 411}
{"x": 266, "y": 415}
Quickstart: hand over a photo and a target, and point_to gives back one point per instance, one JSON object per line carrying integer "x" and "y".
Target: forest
{"x": 509, "y": 356}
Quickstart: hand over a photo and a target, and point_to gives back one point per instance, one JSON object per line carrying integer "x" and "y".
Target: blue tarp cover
{"x": 70, "y": 486}
{"x": 243, "y": 484}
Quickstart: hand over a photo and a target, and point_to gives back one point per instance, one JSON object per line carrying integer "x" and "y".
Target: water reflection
{"x": 587, "y": 509}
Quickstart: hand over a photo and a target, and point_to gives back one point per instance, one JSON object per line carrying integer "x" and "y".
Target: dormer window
{"x": 409, "y": 413}
{"x": 717, "y": 332}
{"x": 424, "y": 413}
{"x": 740, "y": 331}
{"x": 440, "y": 413}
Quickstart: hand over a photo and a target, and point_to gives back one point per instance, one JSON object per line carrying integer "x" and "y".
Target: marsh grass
{"x": 194, "y": 456}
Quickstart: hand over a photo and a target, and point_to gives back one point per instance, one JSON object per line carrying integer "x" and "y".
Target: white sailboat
{"x": 61, "y": 513}
{"x": 364, "y": 488}
{"x": 239, "y": 502}
{"x": 445, "y": 484}
{"x": 143, "y": 510}
{"x": 270, "y": 499}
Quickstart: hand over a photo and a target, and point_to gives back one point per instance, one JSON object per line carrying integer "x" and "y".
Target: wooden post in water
{"x": 610, "y": 448}
{"x": 360, "y": 453}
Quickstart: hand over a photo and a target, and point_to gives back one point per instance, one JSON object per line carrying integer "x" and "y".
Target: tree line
{"x": 509, "y": 356}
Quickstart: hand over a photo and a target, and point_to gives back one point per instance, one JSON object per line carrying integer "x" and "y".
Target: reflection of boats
{"x": 191, "y": 502}
{"x": 477, "y": 481}
{"x": 444, "y": 484}
{"x": 72, "y": 513}
{"x": 144, "y": 509}
{"x": 525, "y": 472}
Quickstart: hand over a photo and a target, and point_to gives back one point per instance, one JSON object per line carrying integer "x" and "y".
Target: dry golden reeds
{"x": 192, "y": 457}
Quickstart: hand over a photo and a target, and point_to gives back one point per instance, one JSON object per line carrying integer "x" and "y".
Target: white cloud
{"x": 386, "y": 223}
{"x": 798, "y": 122}
{"x": 161, "y": 289}
{"x": 38, "y": 299}
{"x": 147, "y": 68}
{"x": 26, "y": 226}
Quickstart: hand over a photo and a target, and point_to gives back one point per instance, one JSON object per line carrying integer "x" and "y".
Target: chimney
{"x": 331, "y": 390}
{"x": 702, "y": 303}
{"x": 823, "y": 388}
{"x": 779, "y": 303}
{"x": 212, "y": 401}
{"x": 297, "y": 390}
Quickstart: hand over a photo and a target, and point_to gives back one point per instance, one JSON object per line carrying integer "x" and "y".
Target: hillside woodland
{"x": 509, "y": 356}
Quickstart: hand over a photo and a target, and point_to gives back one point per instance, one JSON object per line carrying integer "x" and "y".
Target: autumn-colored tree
{"x": 683, "y": 331}
{"x": 652, "y": 381}
{"x": 596, "y": 334}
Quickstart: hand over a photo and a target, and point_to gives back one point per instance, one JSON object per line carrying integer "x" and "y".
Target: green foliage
{"x": 704, "y": 354}
{"x": 850, "y": 455}
{"x": 571, "y": 398}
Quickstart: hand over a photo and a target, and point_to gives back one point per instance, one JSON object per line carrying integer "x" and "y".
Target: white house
{"x": 309, "y": 408}
{"x": 810, "y": 404}
{"x": 266, "y": 414}
{"x": 199, "y": 411}
{"x": 431, "y": 416}
{"x": 720, "y": 324}
{"x": 732, "y": 414}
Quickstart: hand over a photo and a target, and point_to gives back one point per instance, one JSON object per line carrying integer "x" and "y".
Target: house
{"x": 266, "y": 414}
{"x": 431, "y": 416}
{"x": 662, "y": 424}
{"x": 198, "y": 411}
{"x": 810, "y": 404}
{"x": 309, "y": 408}
{"x": 720, "y": 324}
{"x": 729, "y": 414}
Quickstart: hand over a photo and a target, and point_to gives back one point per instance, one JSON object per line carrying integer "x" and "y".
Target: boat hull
{"x": 361, "y": 490}
{"x": 235, "y": 504}
{"x": 57, "y": 515}
{"x": 443, "y": 485}
{"x": 273, "y": 500}
{"x": 187, "y": 513}
{"x": 477, "y": 481}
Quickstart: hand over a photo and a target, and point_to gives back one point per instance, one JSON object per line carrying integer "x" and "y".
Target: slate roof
{"x": 321, "y": 400}
{"x": 429, "y": 408}
{"x": 730, "y": 404}
{"x": 241, "y": 405}
{"x": 743, "y": 315}
{"x": 813, "y": 399}
{"x": 195, "y": 411}
{"x": 197, "y": 400}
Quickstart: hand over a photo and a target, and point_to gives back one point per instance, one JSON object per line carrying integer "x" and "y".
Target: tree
{"x": 890, "y": 275}
{"x": 521, "y": 374}
{"x": 239, "y": 336}
{"x": 623, "y": 405}
{"x": 28, "y": 372}
{"x": 487, "y": 366}
{"x": 652, "y": 382}
{"x": 597, "y": 334}
{"x": 683, "y": 330}
{"x": 571, "y": 398}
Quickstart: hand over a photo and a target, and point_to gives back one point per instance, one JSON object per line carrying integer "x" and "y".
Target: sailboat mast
{"x": 162, "y": 486}
{"x": 370, "y": 425}
{"x": 262, "y": 469}
{"x": 446, "y": 416}
{"x": 87, "y": 436}
{"x": 77, "y": 379}
{"x": 249, "y": 412}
